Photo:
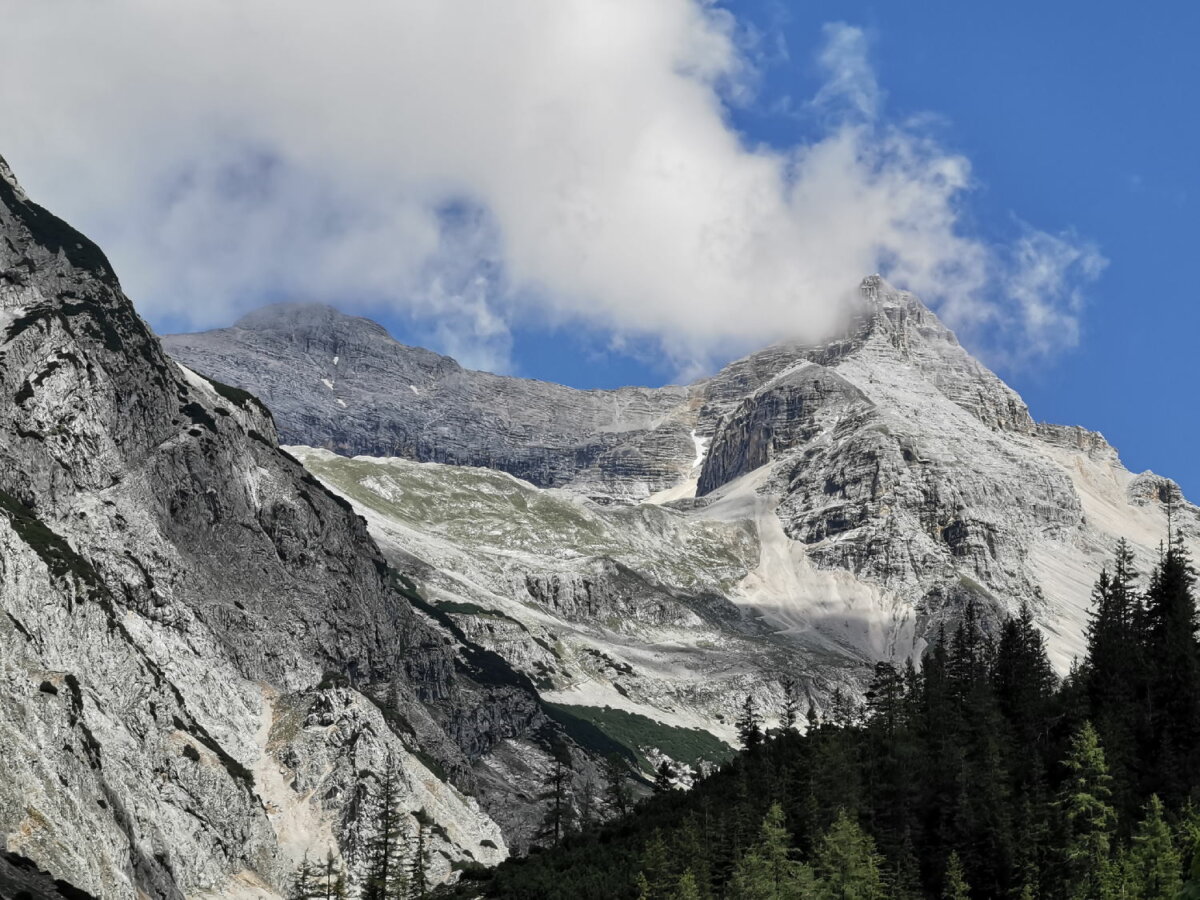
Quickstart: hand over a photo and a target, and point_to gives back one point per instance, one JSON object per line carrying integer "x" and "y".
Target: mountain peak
{"x": 289, "y": 316}
{"x": 873, "y": 286}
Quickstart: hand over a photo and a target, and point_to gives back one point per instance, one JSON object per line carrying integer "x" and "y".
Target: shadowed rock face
{"x": 204, "y": 659}
{"x": 788, "y": 411}
{"x": 341, "y": 383}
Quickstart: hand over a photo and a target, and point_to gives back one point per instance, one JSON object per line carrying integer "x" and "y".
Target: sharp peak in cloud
{"x": 479, "y": 168}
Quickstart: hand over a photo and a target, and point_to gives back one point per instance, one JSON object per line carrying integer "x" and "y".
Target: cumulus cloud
{"x": 477, "y": 165}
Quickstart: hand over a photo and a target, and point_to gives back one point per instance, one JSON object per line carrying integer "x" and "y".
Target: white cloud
{"x": 227, "y": 152}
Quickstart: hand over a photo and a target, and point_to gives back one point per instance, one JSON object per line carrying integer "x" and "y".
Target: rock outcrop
{"x": 205, "y": 661}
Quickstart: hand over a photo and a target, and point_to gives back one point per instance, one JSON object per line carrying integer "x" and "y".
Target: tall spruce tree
{"x": 387, "y": 849}
{"x": 559, "y": 815}
{"x": 418, "y": 873}
{"x": 1174, "y": 694}
{"x": 616, "y": 784}
{"x": 847, "y": 864}
{"x": 1153, "y": 861}
{"x": 688, "y": 888}
{"x": 333, "y": 879}
{"x": 1115, "y": 676}
{"x": 790, "y": 709}
{"x": 658, "y": 875}
{"x": 749, "y": 725}
{"x": 954, "y": 884}
{"x": 306, "y": 883}
{"x": 768, "y": 870}
{"x": 1088, "y": 818}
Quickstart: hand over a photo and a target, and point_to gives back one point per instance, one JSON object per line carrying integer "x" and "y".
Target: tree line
{"x": 977, "y": 774}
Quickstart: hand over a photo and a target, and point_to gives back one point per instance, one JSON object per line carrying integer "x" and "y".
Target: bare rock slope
{"x": 343, "y": 383}
{"x": 889, "y": 477}
{"x": 205, "y": 661}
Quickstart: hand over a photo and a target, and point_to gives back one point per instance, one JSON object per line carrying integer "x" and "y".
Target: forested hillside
{"x": 977, "y": 774}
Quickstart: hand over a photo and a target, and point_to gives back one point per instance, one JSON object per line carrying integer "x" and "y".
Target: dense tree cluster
{"x": 978, "y": 774}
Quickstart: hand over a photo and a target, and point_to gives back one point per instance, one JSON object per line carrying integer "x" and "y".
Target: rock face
{"x": 627, "y": 606}
{"x": 889, "y": 477}
{"x": 341, "y": 383}
{"x": 205, "y": 661}
{"x": 791, "y": 409}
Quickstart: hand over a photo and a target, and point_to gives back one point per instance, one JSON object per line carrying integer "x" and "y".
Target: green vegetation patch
{"x": 465, "y": 608}
{"x": 635, "y": 732}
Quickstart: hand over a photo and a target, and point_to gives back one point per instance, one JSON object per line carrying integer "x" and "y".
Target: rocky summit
{"x": 213, "y": 648}
{"x": 206, "y": 663}
{"x": 888, "y": 477}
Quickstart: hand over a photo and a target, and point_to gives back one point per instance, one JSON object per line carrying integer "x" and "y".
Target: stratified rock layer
{"x": 341, "y": 383}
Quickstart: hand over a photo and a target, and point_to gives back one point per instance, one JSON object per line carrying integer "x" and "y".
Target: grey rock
{"x": 890, "y": 478}
{"x": 342, "y": 383}
{"x": 204, "y": 658}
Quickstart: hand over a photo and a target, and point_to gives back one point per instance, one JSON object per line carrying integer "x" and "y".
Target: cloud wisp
{"x": 480, "y": 165}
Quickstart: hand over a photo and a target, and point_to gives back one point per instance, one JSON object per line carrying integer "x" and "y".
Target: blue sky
{"x": 629, "y": 192}
{"x": 1074, "y": 116}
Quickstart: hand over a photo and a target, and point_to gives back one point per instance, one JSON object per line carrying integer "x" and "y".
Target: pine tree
{"x": 885, "y": 700}
{"x": 616, "y": 786}
{"x": 333, "y": 879}
{"x": 1175, "y": 688}
{"x": 305, "y": 884}
{"x": 1154, "y": 861}
{"x": 688, "y": 888}
{"x": 658, "y": 874}
{"x": 1114, "y": 675}
{"x": 386, "y": 876}
{"x": 1022, "y": 677}
{"x": 693, "y": 848}
{"x": 418, "y": 877}
{"x": 848, "y": 867}
{"x": 845, "y": 712}
{"x": 749, "y": 725}
{"x": 791, "y": 704}
{"x": 954, "y": 885}
{"x": 1088, "y": 818}
{"x": 1191, "y": 887}
{"x": 767, "y": 871}
{"x": 559, "y": 812}
{"x": 589, "y": 812}
{"x": 812, "y": 719}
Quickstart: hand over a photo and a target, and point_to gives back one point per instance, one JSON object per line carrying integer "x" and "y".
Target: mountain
{"x": 341, "y": 382}
{"x": 206, "y": 661}
{"x": 886, "y": 479}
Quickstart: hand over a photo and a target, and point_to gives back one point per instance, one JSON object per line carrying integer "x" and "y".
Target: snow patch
{"x": 701, "y": 449}
{"x": 199, "y": 382}
{"x": 414, "y": 389}
{"x": 327, "y": 383}
{"x": 341, "y": 402}
{"x": 335, "y": 360}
